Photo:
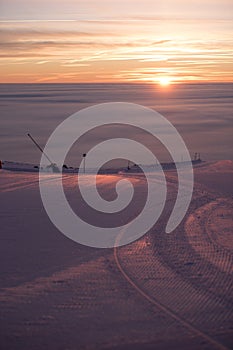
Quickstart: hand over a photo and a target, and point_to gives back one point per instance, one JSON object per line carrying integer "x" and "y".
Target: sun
{"x": 164, "y": 81}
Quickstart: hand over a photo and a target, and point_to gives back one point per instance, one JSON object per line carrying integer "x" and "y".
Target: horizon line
{"x": 119, "y": 82}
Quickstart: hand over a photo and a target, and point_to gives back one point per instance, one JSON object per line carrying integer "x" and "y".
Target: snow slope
{"x": 163, "y": 291}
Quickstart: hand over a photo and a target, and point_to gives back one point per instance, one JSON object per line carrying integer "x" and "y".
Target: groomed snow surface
{"x": 164, "y": 291}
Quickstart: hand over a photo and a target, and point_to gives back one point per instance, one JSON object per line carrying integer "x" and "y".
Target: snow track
{"x": 186, "y": 274}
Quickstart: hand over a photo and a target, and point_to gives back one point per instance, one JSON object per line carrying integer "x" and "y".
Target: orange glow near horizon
{"x": 164, "y": 81}
{"x": 101, "y": 41}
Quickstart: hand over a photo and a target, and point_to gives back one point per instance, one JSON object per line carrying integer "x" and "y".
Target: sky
{"x": 57, "y": 41}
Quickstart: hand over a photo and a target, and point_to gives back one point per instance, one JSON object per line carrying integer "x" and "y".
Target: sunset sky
{"x": 55, "y": 41}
